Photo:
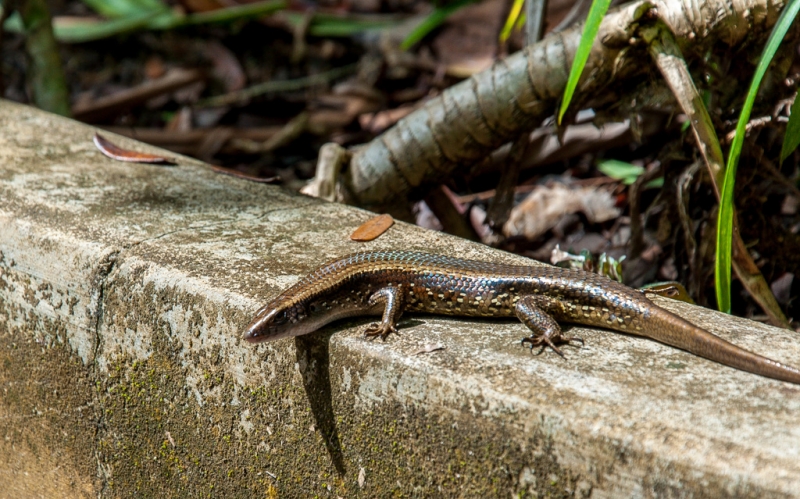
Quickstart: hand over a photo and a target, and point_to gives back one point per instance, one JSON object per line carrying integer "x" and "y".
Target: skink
{"x": 388, "y": 283}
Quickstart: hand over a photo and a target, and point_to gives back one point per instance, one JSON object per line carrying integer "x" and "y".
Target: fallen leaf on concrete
{"x": 113, "y": 151}
{"x": 546, "y": 205}
{"x": 372, "y": 228}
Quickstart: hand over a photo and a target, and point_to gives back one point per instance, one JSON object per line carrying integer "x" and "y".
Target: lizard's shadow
{"x": 313, "y": 357}
{"x": 312, "y": 353}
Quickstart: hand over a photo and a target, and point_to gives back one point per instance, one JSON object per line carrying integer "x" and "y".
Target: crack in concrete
{"x": 105, "y": 267}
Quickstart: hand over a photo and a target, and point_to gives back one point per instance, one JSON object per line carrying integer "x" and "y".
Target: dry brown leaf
{"x": 546, "y": 205}
{"x": 113, "y": 151}
{"x": 372, "y": 228}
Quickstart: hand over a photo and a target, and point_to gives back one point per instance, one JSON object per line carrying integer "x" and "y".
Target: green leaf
{"x": 431, "y": 22}
{"x": 722, "y": 270}
{"x": 590, "y": 29}
{"x": 620, "y": 170}
{"x": 792, "y": 138}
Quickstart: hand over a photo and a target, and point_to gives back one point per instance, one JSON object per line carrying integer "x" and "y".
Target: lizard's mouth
{"x": 265, "y": 327}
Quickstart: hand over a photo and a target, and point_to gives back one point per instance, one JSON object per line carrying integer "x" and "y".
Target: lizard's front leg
{"x": 530, "y": 310}
{"x": 393, "y": 301}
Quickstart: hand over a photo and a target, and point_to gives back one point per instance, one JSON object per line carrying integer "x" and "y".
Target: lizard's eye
{"x": 280, "y": 320}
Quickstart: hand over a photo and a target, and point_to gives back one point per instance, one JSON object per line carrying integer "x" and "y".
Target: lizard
{"x": 389, "y": 283}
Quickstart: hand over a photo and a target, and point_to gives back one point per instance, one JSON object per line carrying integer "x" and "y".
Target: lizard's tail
{"x": 670, "y": 329}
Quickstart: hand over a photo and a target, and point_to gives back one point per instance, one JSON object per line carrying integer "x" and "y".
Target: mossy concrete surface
{"x": 124, "y": 289}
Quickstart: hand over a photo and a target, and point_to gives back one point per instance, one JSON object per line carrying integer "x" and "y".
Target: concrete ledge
{"x": 123, "y": 292}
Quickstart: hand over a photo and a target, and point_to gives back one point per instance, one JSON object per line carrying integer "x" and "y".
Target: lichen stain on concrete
{"x": 46, "y": 403}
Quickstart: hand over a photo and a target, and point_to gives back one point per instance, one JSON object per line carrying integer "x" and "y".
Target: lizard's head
{"x": 279, "y": 319}
{"x": 285, "y": 317}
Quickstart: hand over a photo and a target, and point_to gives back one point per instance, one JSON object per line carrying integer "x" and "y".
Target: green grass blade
{"x": 590, "y": 29}
{"x": 342, "y": 26}
{"x": 792, "y": 138}
{"x": 86, "y": 30}
{"x": 722, "y": 274}
{"x": 431, "y": 22}
{"x": 90, "y": 30}
{"x": 124, "y": 8}
{"x": 512, "y": 20}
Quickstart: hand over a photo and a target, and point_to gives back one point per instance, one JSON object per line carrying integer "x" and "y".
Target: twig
{"x": 293, "y": 129}
{"x": 579, "y": 10}
{"x": 535, "y": 12}
{"x": 689, "y": 241}
{"x": 123, "y": 100}
{"x": 503, "y": 201}
{"x": 277, "y": 86}
{"x": 754, "y": 123}
{"x": 453, "y": 221}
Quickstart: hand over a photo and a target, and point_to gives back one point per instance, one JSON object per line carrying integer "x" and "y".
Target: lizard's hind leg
{"x": 545, "y": 329}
